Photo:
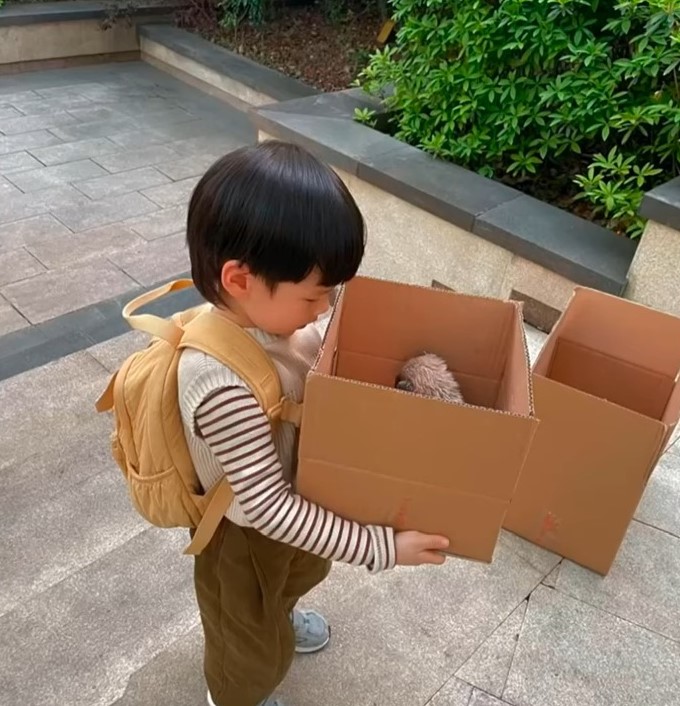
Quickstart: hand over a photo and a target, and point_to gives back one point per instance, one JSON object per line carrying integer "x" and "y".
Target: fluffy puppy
{"x": 429, "y": 375}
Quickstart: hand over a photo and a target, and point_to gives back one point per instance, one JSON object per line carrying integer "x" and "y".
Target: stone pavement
{"x": 97, "y": 165}
{"x": 81, "y": 623}
{"x": 96, "y": 168}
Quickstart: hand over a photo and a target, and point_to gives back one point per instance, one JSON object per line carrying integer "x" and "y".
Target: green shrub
{"x": 233, "y": 13}
{"x": 581, "y": 91}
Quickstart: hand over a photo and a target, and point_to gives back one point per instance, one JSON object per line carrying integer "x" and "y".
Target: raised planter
{"x": 216, "y": 70}
{"x": 54, "y": 34}
{"x": 654, "y": 277}
{"x": 430, "y": 220}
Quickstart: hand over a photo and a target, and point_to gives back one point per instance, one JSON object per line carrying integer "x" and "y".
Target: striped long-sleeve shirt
{"x": 228, "y": 433}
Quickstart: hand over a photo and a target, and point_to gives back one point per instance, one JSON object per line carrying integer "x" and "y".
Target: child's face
{"x": 289, "y": 307}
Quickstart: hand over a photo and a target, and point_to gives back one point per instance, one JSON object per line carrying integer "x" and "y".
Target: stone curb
{"x": 43, "y": 12}
{"x": 234, "y": 66}
{"x": 663, "y": 204}
{"x": 37, "y": 345}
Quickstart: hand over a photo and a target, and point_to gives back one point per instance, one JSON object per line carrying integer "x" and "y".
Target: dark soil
{"x": 302, "y": 42}
{"x": 555, "y": 185}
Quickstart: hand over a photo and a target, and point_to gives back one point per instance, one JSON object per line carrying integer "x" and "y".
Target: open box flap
{"x": 618, "y": 328}
{"x": 401, "y": 321}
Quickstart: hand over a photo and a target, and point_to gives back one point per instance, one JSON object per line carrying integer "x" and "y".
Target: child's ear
{"x": 235, "y": 279}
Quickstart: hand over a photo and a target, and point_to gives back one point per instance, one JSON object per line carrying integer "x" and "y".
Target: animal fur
{"x": 429, "y": 375}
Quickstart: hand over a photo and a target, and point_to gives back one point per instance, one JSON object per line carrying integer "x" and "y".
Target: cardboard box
{"x": 376, "y": 454}
{"x": 607, "y": 396}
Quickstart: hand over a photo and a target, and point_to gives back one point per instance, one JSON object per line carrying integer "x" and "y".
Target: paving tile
{"x": 45, "y": 177}
{"x": 125, "y": 160}
{"x": 481, "y": 698}
{"x": 22, "y": 205}
{"x": 9, "y": 93}
{"x": 131, "y": 139}
{"x": 17, "y": 265}
{"x": 7, "y": 191}
{"x": 59, "y": 196}
{"x": 35, "y": 105}
{"x": 453, "y": 693}
{"x": 141, "y": 105}
{"x": 71, "y": 248}
{"x": 173, "y": 678}
{"x": 94, "y": 112}
{"x": 31, "y": 123}
{"x": 16, "y": 162}
{"x": 53, "y": 539}
{"x": 30, "y": 231}
{"x": 60, "y": 291}
{"x": 572, "y": 654}
{"x": 189, "y": 129}
{"x": 122, "y": 183}
{"x": 113, "y": 352}
{"x": 489, "y": 666}
{"x": 72, "y": 151}
{"x": 58, "y": 463}
{"x": 457, "y": 693}
{"x": 95, "y": 628}
{"x": 10, "y": 319}
{"x": 7, "y": 112}
{"x": 642, "y": 585}
{"x": 27, "y": 141}
{"x": 178, "y": 192}
{"x": 58, "y": 397}
{"x": 156, "y": 260}
{"x": 187, "y": 166}
{"x": 18, "y": 207}
{"x": 411, "y": 645}
{"x": 104, "y": 211}
{"x": 100, "y": 128}
{"x": 660, "y": 505}
{"x": 160, "y": 119}
{"x": 217, "y": 145}
{"x": 156, "y": 225}
{"x": 70, "y": 88}
{"x": 540, "y": 559}
{"x": 551, "y": 579}
{"x": 113, "y": 92}
{"x": 675, "y": 437}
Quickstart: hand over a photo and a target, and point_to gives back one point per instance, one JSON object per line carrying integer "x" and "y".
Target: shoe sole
{"x": 316, "y": 648}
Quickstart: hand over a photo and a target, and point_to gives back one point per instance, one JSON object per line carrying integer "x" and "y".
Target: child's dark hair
{"x": 277, "y": 209}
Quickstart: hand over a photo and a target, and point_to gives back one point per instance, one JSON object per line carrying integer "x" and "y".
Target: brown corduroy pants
{"x": 246, "y": 586}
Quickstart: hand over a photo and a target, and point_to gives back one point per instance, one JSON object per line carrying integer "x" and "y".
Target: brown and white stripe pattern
{"x": 232, "y": 424}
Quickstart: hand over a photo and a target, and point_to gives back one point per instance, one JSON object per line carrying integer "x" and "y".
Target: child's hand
{"x": 415, "y": 548}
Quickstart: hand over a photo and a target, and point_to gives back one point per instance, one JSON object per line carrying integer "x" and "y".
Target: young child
{"x": 271, "y": 232}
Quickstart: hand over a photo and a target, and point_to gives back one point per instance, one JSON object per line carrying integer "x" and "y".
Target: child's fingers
{"x": 432, "y": 557}
{"x": 434, "y": 542}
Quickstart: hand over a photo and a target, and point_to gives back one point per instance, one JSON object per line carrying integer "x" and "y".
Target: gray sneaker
{"x": 312, "y": 632}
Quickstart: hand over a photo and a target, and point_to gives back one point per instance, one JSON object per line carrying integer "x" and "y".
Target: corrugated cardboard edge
{"x": 519, "y": 306}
